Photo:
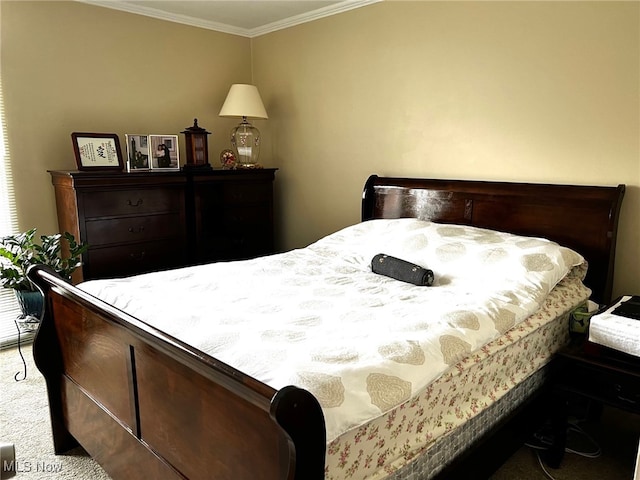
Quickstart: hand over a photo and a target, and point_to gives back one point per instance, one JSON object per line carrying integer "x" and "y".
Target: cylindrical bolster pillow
{"x": 401, "y": 270}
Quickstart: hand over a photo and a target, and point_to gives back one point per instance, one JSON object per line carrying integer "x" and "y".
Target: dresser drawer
{"x": 238, "y": 219}
{"x": 132, "y": 202}
{"x": 133, "y": 229}
{"x": 134, "y": 258}
{"x": 238, "y": 247}
{"x": 246, "y": 193}
{"x": 610, "y": 385}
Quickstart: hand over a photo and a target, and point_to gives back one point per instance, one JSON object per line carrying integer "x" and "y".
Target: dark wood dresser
{"x": 146, "y": 221}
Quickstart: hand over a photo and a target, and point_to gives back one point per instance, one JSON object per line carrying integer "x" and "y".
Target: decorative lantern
{"x": 197, "y": 147}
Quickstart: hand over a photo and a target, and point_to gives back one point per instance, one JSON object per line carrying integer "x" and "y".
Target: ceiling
{"x": 248, "y": 18}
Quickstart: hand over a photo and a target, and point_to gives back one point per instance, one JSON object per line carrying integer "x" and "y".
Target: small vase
{"x": 31, "y": 305}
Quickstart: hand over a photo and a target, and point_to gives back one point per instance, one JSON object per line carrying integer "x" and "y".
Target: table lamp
{"x": 244, "y": 101}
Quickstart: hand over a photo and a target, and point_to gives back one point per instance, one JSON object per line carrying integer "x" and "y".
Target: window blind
{"x": 9, "y": 308}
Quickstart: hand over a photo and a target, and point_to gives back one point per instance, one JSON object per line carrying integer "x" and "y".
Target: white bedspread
{"x": 319, "y": 318}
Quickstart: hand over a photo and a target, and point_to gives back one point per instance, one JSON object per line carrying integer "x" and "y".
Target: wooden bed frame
{"x": 146, "y": 405}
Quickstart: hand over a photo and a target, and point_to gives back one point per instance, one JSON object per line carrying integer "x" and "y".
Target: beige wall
{"x": 68, "y": 66}
{"x": 520, "y": 91}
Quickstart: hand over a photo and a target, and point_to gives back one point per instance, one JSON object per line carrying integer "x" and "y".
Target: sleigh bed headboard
{"x": 581, "y": 217}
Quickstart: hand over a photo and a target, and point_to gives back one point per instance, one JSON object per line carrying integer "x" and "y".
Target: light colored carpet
{"x": 24, "y": 417}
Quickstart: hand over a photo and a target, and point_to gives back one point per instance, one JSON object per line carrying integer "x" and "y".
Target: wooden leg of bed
{"x": 63, "y": 441}
{"x": 559, "y": 418}
{"x": 47, "y": 357}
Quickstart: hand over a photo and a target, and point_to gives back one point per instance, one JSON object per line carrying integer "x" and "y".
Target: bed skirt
{"x": 444, "y": 452}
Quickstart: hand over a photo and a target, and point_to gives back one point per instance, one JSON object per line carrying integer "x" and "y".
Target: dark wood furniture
{"x": 146, "y": 405}
{"x": 231, "y": 214}
{"x": 601, "y": 374}
{"x": 144, "y": 221}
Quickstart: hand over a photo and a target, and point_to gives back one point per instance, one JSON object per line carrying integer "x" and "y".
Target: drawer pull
{"x": 620, "y": 395}
{"x": 137, "y": 256}
{"x": 137, "y": 204}
{"x": 140, "y": 229}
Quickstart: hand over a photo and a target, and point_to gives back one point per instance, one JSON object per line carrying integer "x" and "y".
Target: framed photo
{"x": 97, "y": 151}
{"x": 164, "y": 152}
{"x": 137, "y": 153}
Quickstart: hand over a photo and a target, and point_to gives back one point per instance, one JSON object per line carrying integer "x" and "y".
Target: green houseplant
{"x": 18, "y": 252}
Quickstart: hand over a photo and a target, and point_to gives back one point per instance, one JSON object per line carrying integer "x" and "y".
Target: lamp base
{"x": 245, "y": 141}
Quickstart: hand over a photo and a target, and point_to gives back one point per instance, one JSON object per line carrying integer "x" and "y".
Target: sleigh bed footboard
{"x": 143, "y": 404}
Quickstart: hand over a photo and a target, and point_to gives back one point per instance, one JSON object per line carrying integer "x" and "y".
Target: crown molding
{"x": 225, "y": 28}
{"x": 170, "y": 17}
{"x": 310, "y": 16}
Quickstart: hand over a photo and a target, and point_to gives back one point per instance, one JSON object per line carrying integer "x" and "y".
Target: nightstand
{"x": 589, "y": 370}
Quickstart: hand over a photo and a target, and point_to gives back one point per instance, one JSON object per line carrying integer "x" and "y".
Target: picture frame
{"x": 97, "y": 151}
{"x": 138, "y": 158}
{"x": 164, "y": 152}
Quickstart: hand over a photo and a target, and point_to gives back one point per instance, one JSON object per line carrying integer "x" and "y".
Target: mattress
{"x": 362, "y": 343}
{"x": 422, "y": 436}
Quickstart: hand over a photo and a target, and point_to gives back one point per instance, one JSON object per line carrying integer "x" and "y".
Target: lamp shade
{"x": 243, "y": 101}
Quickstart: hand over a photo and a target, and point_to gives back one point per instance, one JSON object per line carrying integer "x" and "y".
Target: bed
{"x": 144, "y": 403}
